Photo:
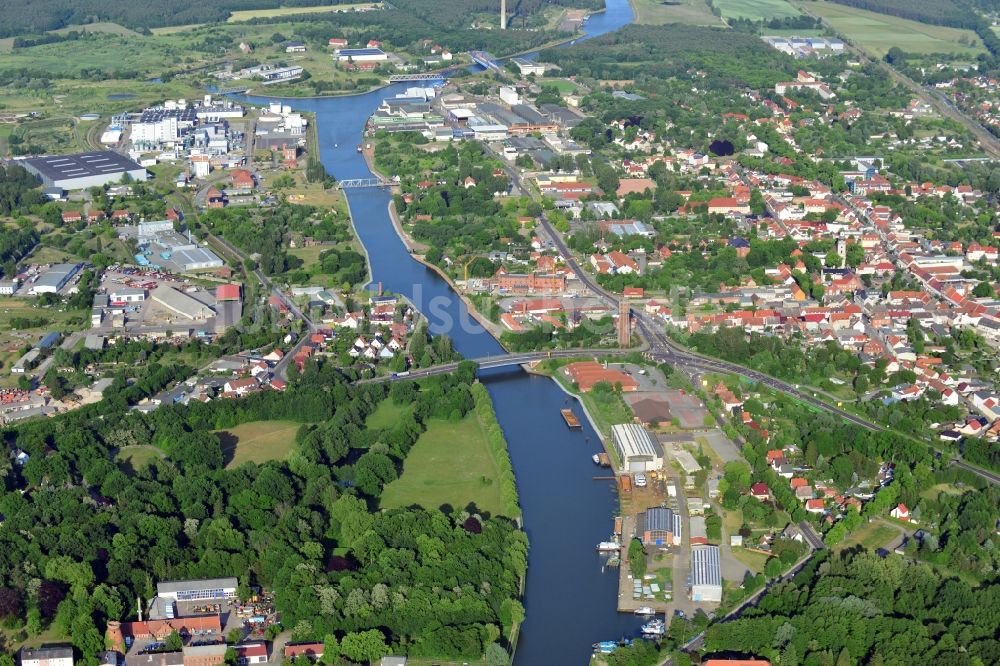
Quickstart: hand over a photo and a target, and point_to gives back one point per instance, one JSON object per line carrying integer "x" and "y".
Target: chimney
{"x": 138, "y": 607}
{"x": 503, "y": 14}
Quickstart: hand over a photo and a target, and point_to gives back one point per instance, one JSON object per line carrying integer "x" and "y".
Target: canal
{"x": 570, "y": 601}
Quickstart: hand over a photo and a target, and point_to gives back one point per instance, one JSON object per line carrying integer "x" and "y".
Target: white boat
{"x": 644, "y": 610}
{"x": 609, "y": 546}
{"x": 597, "y": 459}
{"x": 654, "y": 628}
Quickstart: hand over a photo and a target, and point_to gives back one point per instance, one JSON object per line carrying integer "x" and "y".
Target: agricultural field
{"x": 877, "y": 33}
{"x": 103, "y": 26}
{"x": 450, "y": 464}
{"x": 143, "y": 56}
{"x": 250, "y": 14}
{"x": 756, "y": 10}
{"x": 257, "y": 441}
{"x": 688, "y": 12}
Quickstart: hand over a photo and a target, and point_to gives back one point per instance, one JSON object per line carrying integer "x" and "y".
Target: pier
{"x": 572, "y": 422}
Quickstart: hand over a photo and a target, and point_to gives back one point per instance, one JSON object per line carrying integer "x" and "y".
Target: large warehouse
{"x": 706, "y": 574}
{"x": 53, "y": 279}
{"x": 658, "y": 526}
{"x": 83, "y": 170}
{"x": 637, "y": 449}
{"x": 194, "y": 590}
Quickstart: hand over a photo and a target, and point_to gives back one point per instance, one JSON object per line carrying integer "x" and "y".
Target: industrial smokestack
{"x": 503, "y": 14}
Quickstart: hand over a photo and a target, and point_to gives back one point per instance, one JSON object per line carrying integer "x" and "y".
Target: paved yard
{"x": 723, "y": 446}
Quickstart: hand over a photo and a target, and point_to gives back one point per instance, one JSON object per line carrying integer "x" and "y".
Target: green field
{"x": 250, "y": 14}
{"x": 135, "y": 458}
{"x": 450, "y": 464}
{"x": 386, "y": 415}
{"x": 872, "y": 536}
{"x": 756, "y": 10}
{"x": 877, "y": 33}
{"x": 257, "y": 441}
{"x": 104, "y": 26}
{"x": 660, "y": 12}
{"x": 753, "y": 560}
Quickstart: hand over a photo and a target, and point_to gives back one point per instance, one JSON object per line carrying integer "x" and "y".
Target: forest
{"x": 84, "y": 536}
{"x": 857, "y": 607}
{"x": 663, "y": 52}
{"x": 939, "y": 12}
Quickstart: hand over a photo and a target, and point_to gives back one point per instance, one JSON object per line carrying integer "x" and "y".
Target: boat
{"x": 596, "y": 458}
{"x": 654, "y": 628}
{"x": 572, "y": 422}
{"x": 644, "y": 610}
{"x": 359, "y": 147}
{"x": 607, "y": 647}
{"x": 609, "y": 547}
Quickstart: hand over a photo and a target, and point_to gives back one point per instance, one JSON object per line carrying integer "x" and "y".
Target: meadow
{"x": 250, "y": 14}
{"x": 257, "y": 441}
{"x": 877, "y": 33}
{"x": 450, "y": 464}
{"x": 756, "y": 10}
{"x": 688, "y": 12}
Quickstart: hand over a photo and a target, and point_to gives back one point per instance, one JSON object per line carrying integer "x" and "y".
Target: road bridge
{"x": 362, "y": 183}
{"x": 500, "y": 361}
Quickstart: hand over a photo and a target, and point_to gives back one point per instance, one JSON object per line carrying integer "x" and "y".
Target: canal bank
{"x": 570, "y": 601}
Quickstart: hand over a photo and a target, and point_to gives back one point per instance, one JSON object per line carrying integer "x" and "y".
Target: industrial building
{"x": 529, "y": 67}
{"x": 706, "y": 574}
{"x": 197, "y": 590}
{"x": 637, "y": 449}
{"x": 360, "y": 55}
{"x": 127, "y": 295}
{"x": 658, "y": 526}
{"x": 83, "y": 170}
{"x": 181, "y": 304}
{"x": 53, "y": 279}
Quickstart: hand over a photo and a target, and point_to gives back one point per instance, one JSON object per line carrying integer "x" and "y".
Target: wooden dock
{"x": 572, "y": 422}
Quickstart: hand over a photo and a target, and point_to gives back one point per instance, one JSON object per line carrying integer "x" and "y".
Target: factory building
{"x": 706, "y": 574}
{"x": 658, "y": 526}
{"x": 637, "y": 449}
{"x": 181, "y": 303}
{"x": 360, "y": 55}
{"x": 196, "y": 590}
{"x": 53, "y": 279}
{"x": 83, "y": 170}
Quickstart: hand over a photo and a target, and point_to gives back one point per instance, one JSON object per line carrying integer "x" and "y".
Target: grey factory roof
{"x": 706, "y": 568}
{"x": 173, "y": 586}
{"x": 155, "y": 115}
{"x": 98, "y": 163}
{"x": 656, "y": 519}
{"x": 181, "y": 303}
{"x": 634, "y": 440}
{"x": 56, "y": 276}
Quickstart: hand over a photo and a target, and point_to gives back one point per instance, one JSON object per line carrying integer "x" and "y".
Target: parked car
{"x": 640, "y": 480}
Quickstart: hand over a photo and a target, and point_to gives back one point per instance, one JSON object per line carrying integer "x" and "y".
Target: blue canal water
{"x": 570, "y": 601}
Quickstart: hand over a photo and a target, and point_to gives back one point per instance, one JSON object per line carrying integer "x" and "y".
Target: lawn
{"x": 135, "y": 458}
{"x": 752, "y": 559}
{"x": 947, "y": 488}
{"x": 877, "y": 33}
{"x": 386, "y": 415}
{"x": 44, "y": 254}
{"x": 257, "y": 441}
{"x": 250, "y": 14}
{"x": 450, "y": 464}
{"x": 688, "y": 12}
{"x": 872, "y": 536}
{"x": 756, "y": 10}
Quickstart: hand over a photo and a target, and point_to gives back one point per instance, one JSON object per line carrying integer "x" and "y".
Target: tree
{"x": 496, "y": 655}
{"x": 773, "y": 567}
{"x": 511, "y": 614}
{"x": 331, "y": 650}
{"x": 637, "y": 558}
{"x": 364, "y": 646}
{"x": 174, "y": 643}
{"x": 983, "y": 290}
